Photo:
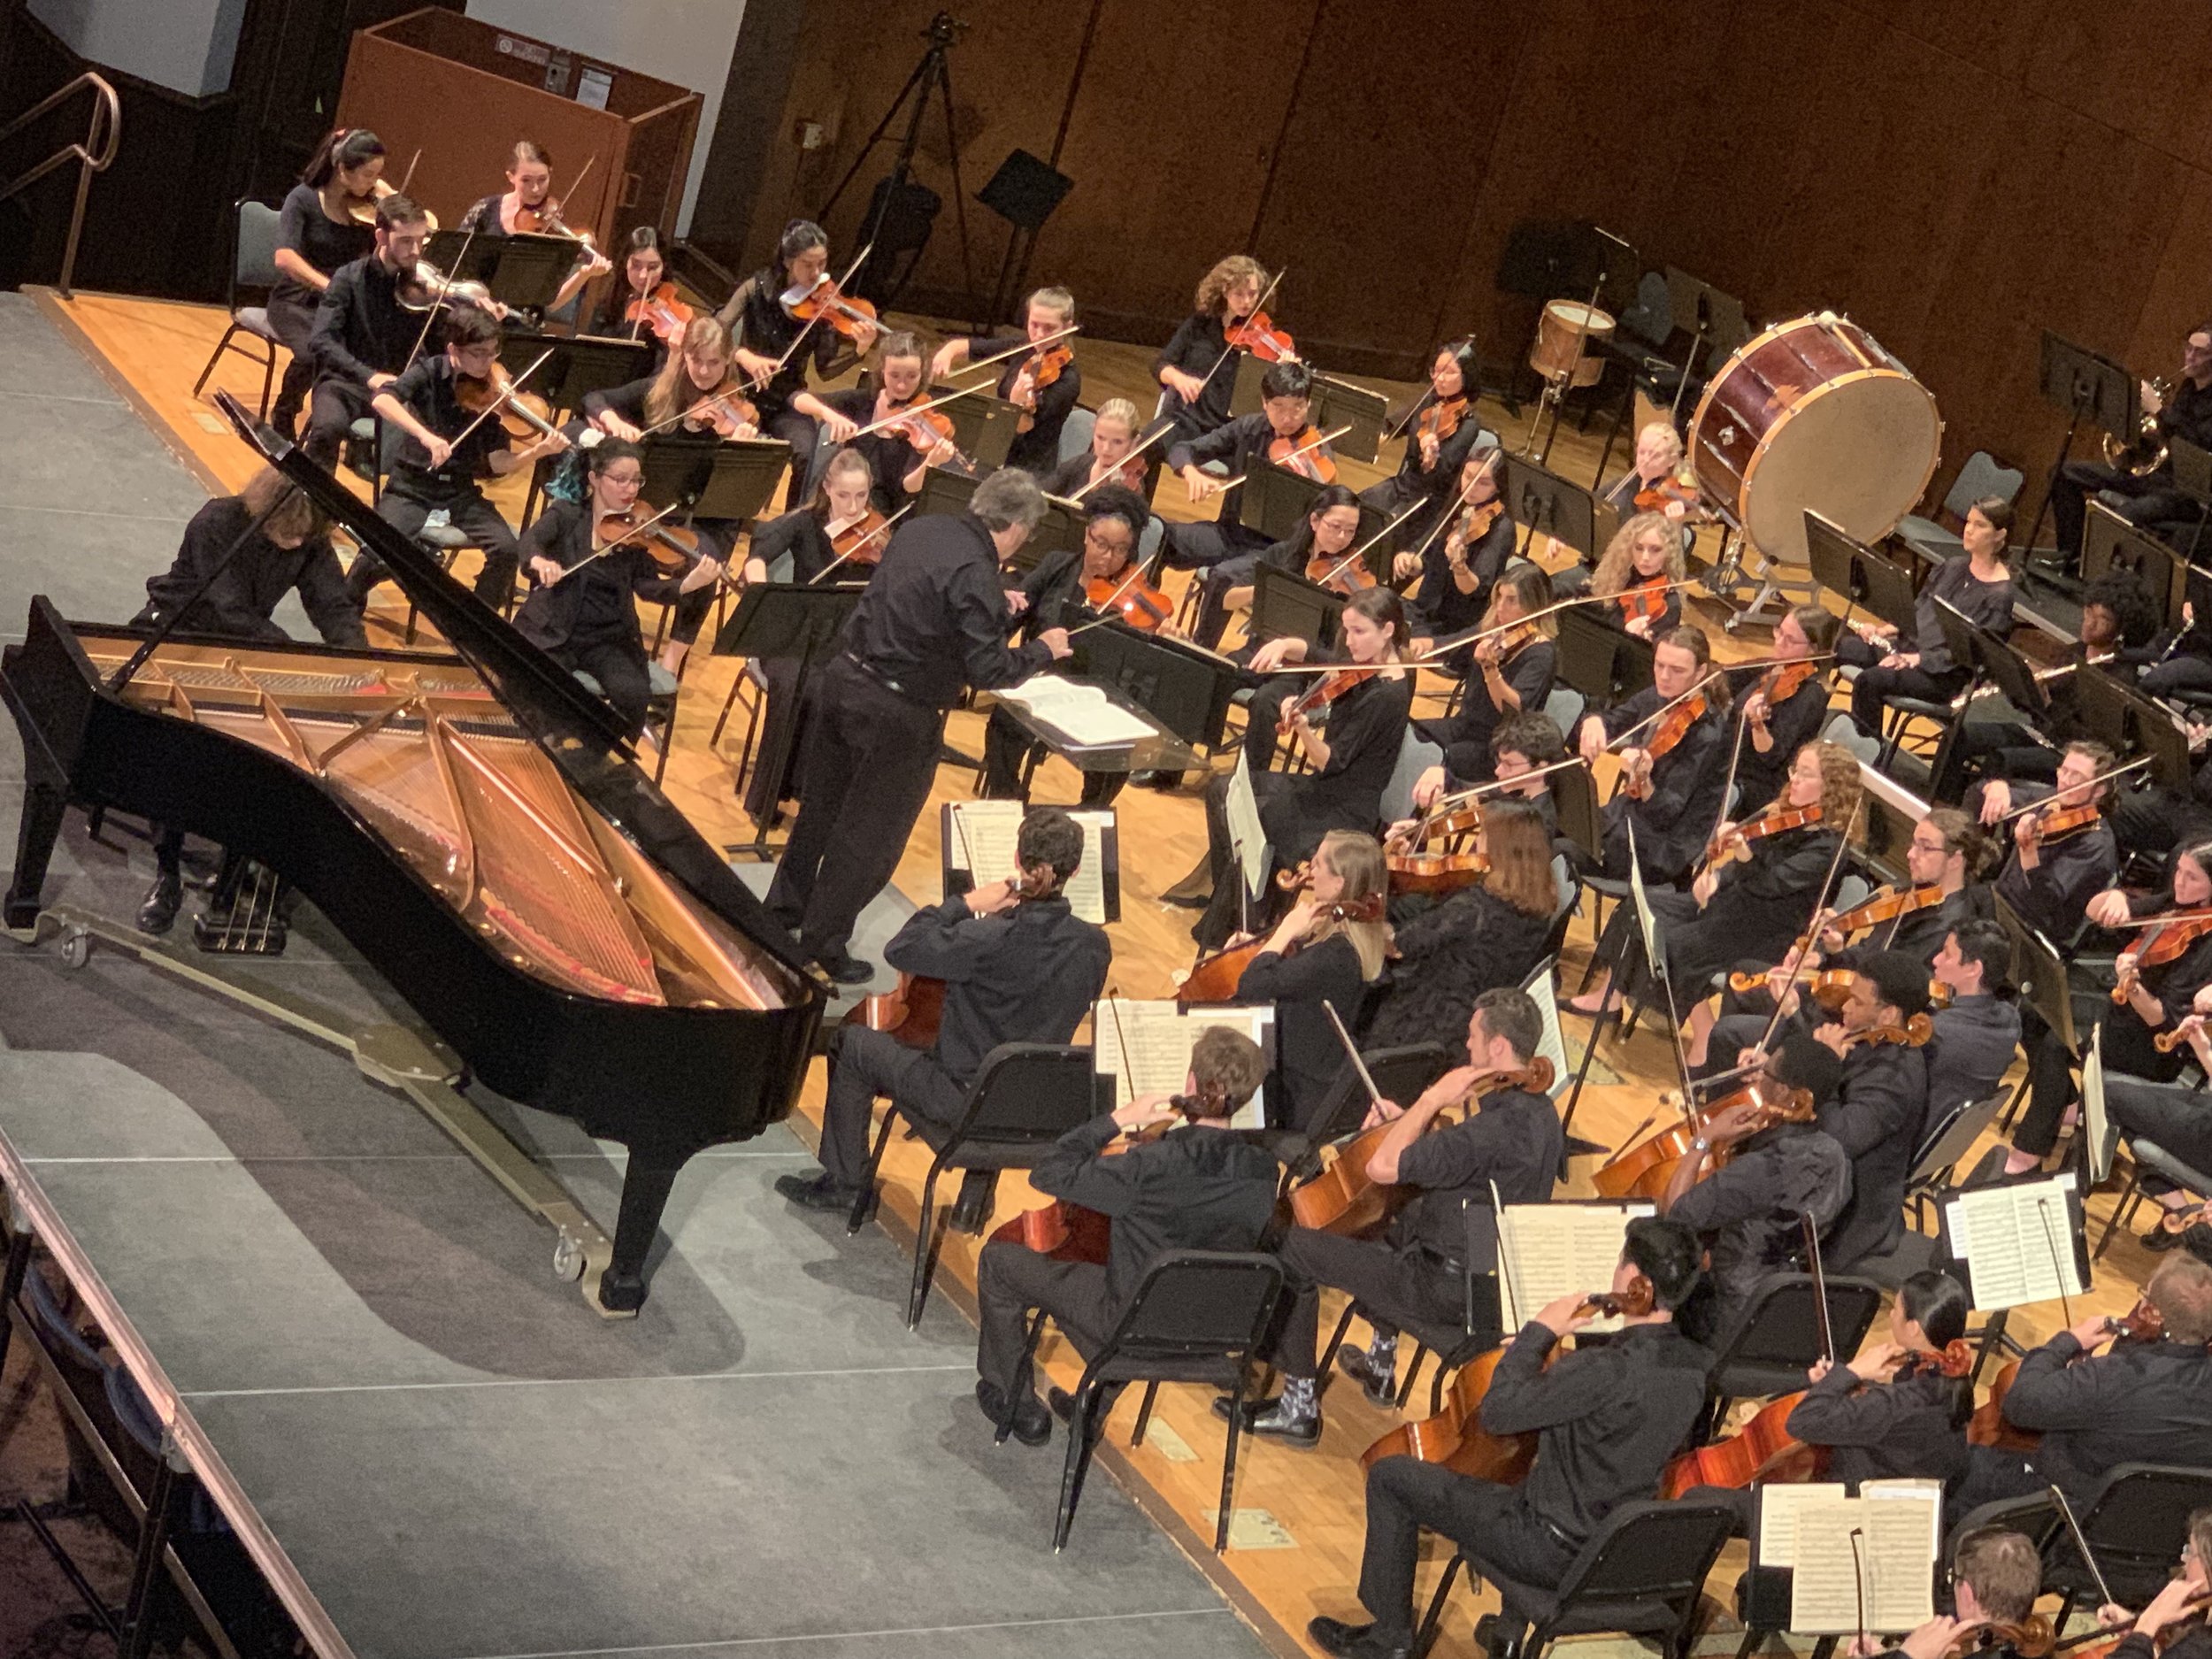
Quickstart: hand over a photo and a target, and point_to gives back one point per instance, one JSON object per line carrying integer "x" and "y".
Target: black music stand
{"x": 1286, "y": 605}
{"x": 1334, "y": 403}
{"x": 1024, "y": 192}
{"x": 1862, "y": 577}
{"x": 1186, "y": 687}
{"x": 2192, "y": 469}
{"x": 1605, "y": 664}
{"x": 1060, "y": 529}
{"x": 2110, "y": 543}
{"x": 712, "y": 477}
{"x": 2088, "y": 385}
{"x": 782, "y": 622}
{"x": 982, "y": 426}
{"x": 580, "y": 365}
{"x": 522, "y": 272}
{"x": 944, "y": 491}
{"x": 2124, "y": 720}
{"x": 1994, "y": 660}
{"x": 1273, "y": 501}
{"x": 1540, "y": 499}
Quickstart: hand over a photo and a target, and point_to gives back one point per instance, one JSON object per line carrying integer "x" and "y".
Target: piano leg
{"x": 645, "y": 1188}
{"x": 44, "y": 807}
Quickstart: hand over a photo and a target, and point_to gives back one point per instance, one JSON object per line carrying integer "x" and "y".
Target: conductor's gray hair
{"x": 1010, "y": 496}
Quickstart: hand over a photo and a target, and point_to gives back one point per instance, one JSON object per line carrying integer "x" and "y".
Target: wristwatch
{"x": 1701, "y": 1144}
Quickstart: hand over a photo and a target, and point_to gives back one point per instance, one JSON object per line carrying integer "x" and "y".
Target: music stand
{"x": 944, "y": 491}
{"x": 783, "y": 622}
{"x": 1864, "y": 578}
{"x": 2005, "y": 668}
{"x": 1540, "y": 499}
{"x": 1273, "y": 501}
{"x": 2193, "y": 477}
{"x": 982, "y": 426}
{"x": 1185, "y": 687}
{"x": 1024, "y": 192}
{"x": 1284, "y": 605}
{"x": 2110, "y": 542}
{"x": 1061, "y": 528}
{"x": 712, "y": 477}
{"x": 1604, "y": 662}
{"x": 2124, "y": 720}
{"x": 580, "y": 365}
{"x": 522, "y": 272}
{"x": 2088, "y": 387}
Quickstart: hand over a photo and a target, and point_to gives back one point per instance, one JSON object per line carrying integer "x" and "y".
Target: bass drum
{"x": 1813, "y": 415}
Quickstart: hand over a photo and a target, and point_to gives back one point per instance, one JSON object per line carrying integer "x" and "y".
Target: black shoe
{"x": 1195, "y": 891}
{"x": 1379, "y": 1386}
{"x": 1063, "y": 1404}
{"x": 1354, "y": 1641}
{"x": 158, "y": 913}
{"x": 818, "y": 1192}
{"x": 1268, "y": 1418}
{"x": 1031, "y": 1424}
{"x": 972, "y": 1208}
{"x": 846, "y": 970}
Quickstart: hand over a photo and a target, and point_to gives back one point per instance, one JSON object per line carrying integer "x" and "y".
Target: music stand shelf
{"x": 1162, "y": 752}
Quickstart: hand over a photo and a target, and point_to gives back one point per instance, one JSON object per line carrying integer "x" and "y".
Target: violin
{"x": 2185, "y": 1619}
{"x": 1413, "y": 869}
{"x": 361, "y": 209}
{"x": 1885, "y": 906}
{"x": 862, "y": 540}
{"x": 1038, "y": 370}
{"x": 2164, "y": 939}
{"x": 1645, "y": 1168}
{"x": 425, "y": 287}
{"x": 1136, "y": 601}
{"x": 1326, "y": 689}
{"x": 1258, "y": 334}
{"x": 1347, "y": 573}
{"x": 1305, "y": 455}
{"x": 1438, "y": 421}
{"x": 522, "y": 415}
{"x": 1774, "y": 821}
{"x": 924, "y": 429}
{"x": 2167, "y": 1041}
{"x": 1913, "y": 1033}
{"x": 673, "y": 547}
{"x": 1646, "y": 601}
{"x": 827, "y": 301}
{"x": 1674, "y": 726}
{"x": 1784, "y": 681}
{"x": 726, "y": 412}
{"x": 1830, "y": 986}
{"x": 2053, "y": 823}
{"x": 1345, "y": 1200}
{"x": 1671, "y": 491}
{"x": 662, "y": 311}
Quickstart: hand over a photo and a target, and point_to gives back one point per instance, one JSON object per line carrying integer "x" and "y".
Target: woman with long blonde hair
{"x": 1644, "y": 556}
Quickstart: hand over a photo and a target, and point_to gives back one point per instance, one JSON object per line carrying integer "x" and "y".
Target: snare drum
{"x": 1814, "y": 415}
{"x": 1565, "y": 328}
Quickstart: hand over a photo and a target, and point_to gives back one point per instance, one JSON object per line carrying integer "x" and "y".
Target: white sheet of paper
{"x": 1087, "y": 887}
{"x": 988, "y": 833}
{"x": 1145, "y": 1046}
{"x": 1085, "y": 713}
{"x": 2017, "y": 1241}
{"x": 1248, "y": 841}
{"x": 1547, "y": 1251}
{"x": 1894, "y": 1565}
{"x": 1553, "y": 1046}
{"x": 2094, "y": 1121}
{"x": 1779, "y": 1500}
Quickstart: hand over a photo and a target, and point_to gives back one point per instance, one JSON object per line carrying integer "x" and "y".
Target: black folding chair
{"x": 2136, "y": 1525}
{"x": 1643, "y": 1574}
{"x": 1777, "y": 1339}
{"x": 1027, "y": 1096}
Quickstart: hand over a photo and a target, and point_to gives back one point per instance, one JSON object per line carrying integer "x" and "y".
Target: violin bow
{"x": 1303, "y": 449}
{"x": 1476, "y": 792}
{"x": 1227, "y": 349}
{"x": 623, "y": 540}
{"x": 1428, "y": 395}
{"x": 799, "y": 339}
{"x": 437, "y": 300}
{"x": 1820, "y": 1284}
{"x": 1158, "y": 430}
{"x": 2102, "y": 776}
{"x": 856, "y": 548}
{"x": 1442, "y": 649}
{"x": 1368, "y": 546}
{"x": 500, "y": 396}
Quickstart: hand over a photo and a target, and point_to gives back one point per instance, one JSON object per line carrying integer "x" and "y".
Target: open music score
{"x": 1156, "y": 1038}
{"x": 1085, "y": 714}
{"x": 1886, "y": 1583}
{"x": 2018, "y": 1243}
{"x": 979, "y": 841}
{"x": 1547, "y": 1251}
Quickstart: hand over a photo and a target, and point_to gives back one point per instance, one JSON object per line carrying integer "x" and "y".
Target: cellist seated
{"x": 1419, "y": 1270}
{"x": 1606, "y": 1417}
{"x": 1194, "y": 1188}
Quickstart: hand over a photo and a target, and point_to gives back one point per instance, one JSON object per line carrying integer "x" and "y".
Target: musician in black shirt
{"x": 251, "y": 570}
{"x": 2149, "y": 499}
{"x": 900, "y": 456}
{"x": 363, "y": 334}
{"x": 1768, "y": 731}
{"x": 442, "y": 449}
{"x": 1978, "y": 1034}
{"x": 1439, "y": 430}
{"x": 1045, "y": 409}
{"x": 1195, "y": 1188}
{"x": 1441, "y": 1247}
{"x": 1608, "y": 1418}
{"x": 316, "y": 235}
{"x": 1686, "y": 783}
{"x": 769, "y": 351}
{"x": 1286, "y": 398}
{"x": 932, "y": 623}
{"x": 1018, "y": 966}
{"x": 1898, "y": 1410}
{"x": 1111, "y": 457}
{"x": 643, "y": 267}
{"x": 2175, "y": 1624}
{"x": 1513, "y": 673}
{"x": 1189, "y": 368}
{"x": 1876, "y": 1115}
{"x": 1459, "y": 562}
{"x": 1321, "y": 547}
{"x": 530, "y": 190}
{"x": 1977, "y": 586}
{"x": 2049, "y": 882}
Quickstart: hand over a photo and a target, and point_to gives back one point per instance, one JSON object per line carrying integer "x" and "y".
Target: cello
{"x": 1644, "y": 1170}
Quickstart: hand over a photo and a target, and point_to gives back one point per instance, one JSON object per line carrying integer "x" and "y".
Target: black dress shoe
{"x": 846, "y": 970}
{"x": 1381, "y": 1386}
{"x": 1031, "y": 1424}
{"x": 818, "y": 1192}
{"x": 1354, "y": 1641}
{"x": 1268, "y": 1418}
{"x": 158, "y": 913}
{"x": 972, "y": 1208}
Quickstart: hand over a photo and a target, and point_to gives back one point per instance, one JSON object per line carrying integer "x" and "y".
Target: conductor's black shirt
{"x": 934, "y": 622}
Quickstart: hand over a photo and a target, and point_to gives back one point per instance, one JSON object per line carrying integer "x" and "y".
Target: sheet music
{"x": 1145, "y": 1046}
{"x": 1086, "y": 888}
{"x": 1547, "y": 1251}
{"x": 2017, "y": 1242}
{"x": 1247, "y": 838}
{"x": 1086, "y": 714}
{"x": 1553, "y": 1046}
{"x": 984, "y": 838}
{"x": 1647, "y": 922}
{"x": 1894, "y": 1565}
{"x": 2094, "y": 1124}
{"x": 1779, "y": 1501}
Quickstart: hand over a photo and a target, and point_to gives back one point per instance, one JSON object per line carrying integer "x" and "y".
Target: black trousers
{"x": 1993, "y": 1474}
{"x": 1006, "y": 750}
{"x": 2143, "y": 501}
{"x": 1397, "y": 493}
{"x": 1190, "y": 546}
{"x": 870, "y": 761}
{"x": 1875, "y": 686}
{"x": 865, "y": 1065}
{"x": 803, "y": 433}
{"x": 1009, "y": 1281}
{"x": 2156, "y": 820}
{"x": 2176, "y": 1119}
{"x": 474, "y": 517}
{"x": 292, "y": 322}
{"x": 2177, "y": 674}
{"x": 1393, "y": 1287}
{"x": 1405, "y": 1494}
{"x": 336, "y": 404}
{"x": 619, "y": 666}
{"x": 2127, "y": 1048}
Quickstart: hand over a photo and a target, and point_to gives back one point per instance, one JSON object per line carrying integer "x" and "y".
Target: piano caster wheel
{"x": 76, "y": 946}
{"x": 568, "y": 1258}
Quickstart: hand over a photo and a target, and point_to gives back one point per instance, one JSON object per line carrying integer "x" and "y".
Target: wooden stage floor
{"x": 1295, "y": 1548}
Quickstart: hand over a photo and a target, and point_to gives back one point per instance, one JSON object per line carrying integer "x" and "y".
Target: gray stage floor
{"x": 462, "y": 1458}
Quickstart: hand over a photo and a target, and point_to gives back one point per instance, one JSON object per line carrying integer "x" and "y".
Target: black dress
{"x": 587, "y": 622}
{"x": 1036, "y": 451}
{"x": 1474, "y": 941}
{"x": 326, "y": 243}
{"x": 1308, "y": 1055}
{"x": 1439, "y": 609}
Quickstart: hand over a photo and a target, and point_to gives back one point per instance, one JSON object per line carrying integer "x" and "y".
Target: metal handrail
{"x": 93, "y": 155}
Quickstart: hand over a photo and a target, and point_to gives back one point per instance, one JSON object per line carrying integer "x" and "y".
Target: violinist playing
{"x": 1784, "y": 705}
{"x": 1044, "y": 382}
{"x": 1512, "y": 668}
{"x": 2160, "y": 969}
{"x": 2173, "y": 1115}
{"x": 1899, "y": 1410}
{"x": 586, "y": 580}
{"x": 1322, "y": 544}
{"x": 1979, "y": 587}
{"x": 1441, "y": 431}
{"x": 526, "y": 207}
{"x": 1749, "y": 1177}
{"x": 1490, "y": 933}
{"x": 900, "y": 456}
{"x": 1195, "y": 381}
{"x": 1977, "y": 1032}
{"x": 1881, "y": 1104}
{"x": 772, "y": 358}
{"x": 2063, "y": 854}
{"x": 644, "y": 305}
{"x": 1418, "y": 1272}
{"x": 1194, "y": 1188}
{"x": 1653, "y": 482}
{"x": 2139, "y": 1401}
{"x": 1018, "y": 966}
{"x": 443, "y": 448}
{"x": 808, "y": 537}
{"x": 363, "y": 335}
{"x": 1111, "y": 458}
{"x": 1366, "y": 724}
{"x": 1758, "y": 886}
{"x": 1608, "y": 1417}
{"x": 1996, "y": 1575}
{"x": 1278, "y": 427}
{"x": 2174, "y": 1623}
{"x": 317, "y": 234}
{"x": 1679, "y": 783}
{"x": 1640, "y": 563}
{"x": 1057, "y": 593}
{"x": 1458, "y": 569}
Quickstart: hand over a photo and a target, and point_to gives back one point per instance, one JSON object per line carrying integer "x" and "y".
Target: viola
{"x": 1306, "y": 455}
{"x": 1885, "y": 906}
{"x": 827, "y": 301}
{"x": 726, "y": 412}
{"x": 1646, "y": 601}
{"x": 2165, "y": 940}
{"x": 1671, "y": 491}
{"x": 1136, "y": 601}
{"x": 673, "y": 547}
{"x": 522, "y": 415}
{"x": 2053, "y": 823}
{"x": 1774, "y": 821}
{"x": 1258, "y": 334}
{"x": 1038, "y": 370}
{"x": 1328, "y": 689}
{"x": 1674, "y": 726}
{"x": 1784, "y": 681}
{"x": 1644, "y": 1168}
{"x": 662, "y": 311}
{"x": 1345, "y": 1200}
{"x": 1438, "y": 421}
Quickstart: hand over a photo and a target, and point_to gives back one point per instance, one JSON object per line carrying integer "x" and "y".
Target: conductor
{"x": 932, "y": 623}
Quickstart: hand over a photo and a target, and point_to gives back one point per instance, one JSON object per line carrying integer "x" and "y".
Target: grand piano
{"x": 475, "y": 825}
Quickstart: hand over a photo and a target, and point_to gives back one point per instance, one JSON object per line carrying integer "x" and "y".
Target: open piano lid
{"x": 577, "y": 732}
